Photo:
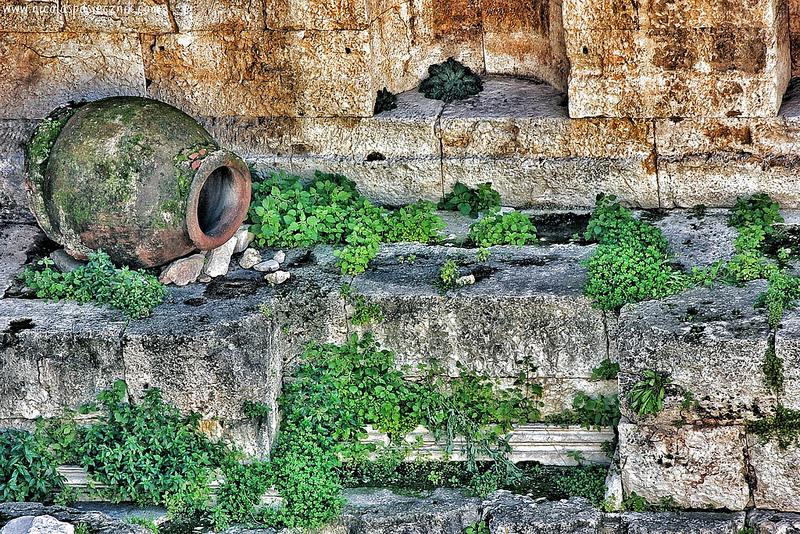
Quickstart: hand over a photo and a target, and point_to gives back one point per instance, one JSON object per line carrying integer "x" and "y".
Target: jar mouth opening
{"x": 218, "y": 200}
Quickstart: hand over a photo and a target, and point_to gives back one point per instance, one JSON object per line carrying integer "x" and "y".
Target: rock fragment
{"x": 218, "y": 260}
{"x": 249, "y": 258}
{"x": 183, "y": 270}
{"x": 267, "y": 266}
{"x": 243, "y": 238}
{"x": 277, "y": 277}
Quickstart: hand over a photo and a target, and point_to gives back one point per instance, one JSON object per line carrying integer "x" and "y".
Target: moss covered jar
{"x": 135, "y": 177}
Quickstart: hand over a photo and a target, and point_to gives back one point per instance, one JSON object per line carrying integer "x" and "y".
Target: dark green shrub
{"x": 471, "y": 201}
{"x": 27, "y": 469}
{"x": 136, "y": 293}
{"x": 647, "y": 395}
{"x": 385, "y": 101}
{"x": 758, "y": 210}
{"x": 607, "y": 370}
{"x": 415, "y": 222}
{"x": 450, "y": 81}
{"x": 513, "y": 228}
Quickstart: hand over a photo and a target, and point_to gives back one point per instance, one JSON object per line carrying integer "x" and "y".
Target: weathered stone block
{"x": 518, "y": 514}
{"x": 769, "y": 522}
{"x": 697, "y": 240}
{"x": 527, "y": 313}
{"x": 663, "y": 60}
{"x": 17, "y": 241}
{"x": 682, "y": 522}
{"x": 712, "y": 344}
{"x": 794, "y": 34}
{"x": 787, "y": 348}
{"x": 207, "y": 358}
{"x": 117, "y": 16}
{"x": 699, "y": 467}
{"x": 14, "y": 135}
{"x": 50, "y": 359}
{"x": 525, "y": 39}
{"x": 267, "y": 138}
{"x": 317, "y": 15}
{"x": 258, "y": 74}
{"x": 42, "y": 71}
{"x": 777, "y": 475}
{"x": 217, "y": 15}
{"x": 31, "y": 16}
{"x": 410, "y": 36}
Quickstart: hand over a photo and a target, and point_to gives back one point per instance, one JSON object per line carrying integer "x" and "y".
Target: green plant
{"x": 607, "y": 370}
{"x": 512, "y": 228}
{"x": 584, "y": 481}
{"x": 483, "y": 254}
{"x": 589, "y": 412}
{"x": 238, "y": 498}
{"x": 647, "y": 395}
{"x": 255, "y": 410}
{"x": 385, "y": 101}
{"x": 415, "y": 222}
{"x": 287, "y": 213}
{"x": 783, "y": 426}
{"x": 136, "y": 293}
{"x": 469, "y": 201}
{"x": 477, "y": 528}
{"x": 758, "y": 210}
{"x": 450, "y": 81}
{"x": 635, "y": 503}
{"x": 448, "y": 275}
{"x": 27, "y": 468}
{"x": 81, "y": 528}
{"x": 773, "y": 371}
{"x": 782, "y": 292}
{"x": 366, "y": 312}
{"x": 631, "y": 263}
{"x": 142, "y": 522}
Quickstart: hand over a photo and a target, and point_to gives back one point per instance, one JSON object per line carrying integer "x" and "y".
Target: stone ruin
{"x": 666, "y": 104}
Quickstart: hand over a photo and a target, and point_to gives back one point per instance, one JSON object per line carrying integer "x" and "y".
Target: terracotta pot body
{"x": 137, "y": 178}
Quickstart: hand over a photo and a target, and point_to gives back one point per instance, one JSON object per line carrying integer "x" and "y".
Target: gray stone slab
{"x": 776, "y": 473}
{"x": 698, "y": 241}
{"x": 683, "y": 522}
{"x": 507, "y": 513}
{"x": 770, "y": 522}
{"x": 96, "y": 522}
{"x": 710, "y": 341}
{"x": 17, "y": 243}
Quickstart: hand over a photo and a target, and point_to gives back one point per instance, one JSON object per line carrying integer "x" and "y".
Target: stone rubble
{"x": 279, "y": 256}
{"x": 183, "y": 270}
{"x": 43, "y": 524}
{"x": 243, "y": 238}
{"x": 268, "y": 266}
{"x": 249, "y": 258}
{"x": 278, "y": 277}
{"x": 218, "y": 260}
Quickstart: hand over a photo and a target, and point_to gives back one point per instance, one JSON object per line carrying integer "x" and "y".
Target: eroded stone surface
{"x": 96, "y": 521}
{"x": 698, "y": 467}
{"x": 42, "y": 71}
{"x": 698, "y": 240}
{"x": 768, "y": 522}
{"x": 17, "y": 241}
{"x": 14, "y": 135}
{"x": 777, "y": 475}
{"x": 710, "y": 341}
{"x": 681, "y": 522}
{"x": 505, "y": 512}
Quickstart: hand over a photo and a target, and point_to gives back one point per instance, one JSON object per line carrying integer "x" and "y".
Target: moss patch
{"x": 41, "y": 143}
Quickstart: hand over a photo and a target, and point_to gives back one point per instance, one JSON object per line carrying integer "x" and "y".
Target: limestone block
{"x": 56, "y": 355}
{"x": 42, "y": 71}
{"x": 266, "y": 138}
{"x": 787, "y": 348}
{"x": 30, "y": 16}
{"x": 317, "y": 15}
{"x": 677, "y": 61}
{"x": 712, "y": 161}
{"x": 519, "y": 514}
{"x": 14, "y": 134}
{"x": 681, "y": 522}
{"x": 700, "y": 467}
{"x": 410, "y": 36}
{"x": 769, "y": 522}
{"x": 794, "y": 35}
{"x": 600, "y": 15}
{"x": 17, "y": 241}
{"x": 258, "y": 74}
{"x": 710, "y": 341}
{"x": 698, "y": 241}
{"x": 525, "y": 39}
{"x": 218, "y": 15}
{"x": 777, "y": 475}
{"x": 117, "y": 16}
{"x": 526, "y": 312}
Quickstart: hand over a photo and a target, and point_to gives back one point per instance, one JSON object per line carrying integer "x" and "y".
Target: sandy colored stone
{"x": 257, "y": 74}
{"x": 42, "y": 71}
{"x": 525, "y": 39}
{"x": 777, "y": 475}
{"x": 266, "y": 138}
{"x": 117, "y": 16}
{"x": 218, "y": 260}
{"x": 217, "y": 15}
{"x": 794, "y": 34}
{"x": 30, "y": 16}
{"x": 317, "y": 15}
{"x": 410, "y": 36}
{"x": 711, "y": 342}
{"x": 787, "y": 348}
{"x": 698, "y": 467}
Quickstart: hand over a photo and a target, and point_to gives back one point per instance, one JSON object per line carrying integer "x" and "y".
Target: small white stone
{"x": 218, "y": 260}
{"x": 467, "y": 280}
{"x": 243, "y": 238}
{"x": 278, "y": 277}
{"x": 249, "y": 258}
{"x": 279, "y": 256}
{"x": 267, "y": 266}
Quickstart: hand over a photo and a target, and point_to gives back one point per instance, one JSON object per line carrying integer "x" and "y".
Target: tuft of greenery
{"x": 385, "y": 101}
{"x": 513, "y": 228}
{"x": 758, "y": 210}
{"x": 149, "y": 524}
{"x": 448, "y": 275}
{"x": 590, "y": 412}
{"x": 631, "y": 262}
{"x": 783, "y": 426}
{"x": 255, "y": 409}
{"x": 366, "y": 312}
{"x": 647, "y": 395}
{"x": 607, "y": 370}
{"x": 287, "y": 213}
{"x": 133, "y": 292}
{"x": 471, "y": 201}
{"x": 483, "y": 254}
{"x": 478, "y": 528}
{"x": 27, "y": 469}
{"x": 450, "y": 81}
{"x": 782, "y": 293}
{"x": 773, "y": 371}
